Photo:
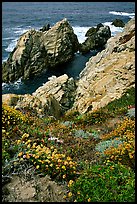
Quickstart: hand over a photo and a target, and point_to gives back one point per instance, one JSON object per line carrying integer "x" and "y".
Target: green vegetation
{"x": 111, "y": 182}
{"x": 96, "y": 162}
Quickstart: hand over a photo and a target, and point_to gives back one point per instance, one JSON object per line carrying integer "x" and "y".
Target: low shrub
{"x": 104, "y": 183}
{"x": 124, "y": 152}
{"x": 47, "y": 160}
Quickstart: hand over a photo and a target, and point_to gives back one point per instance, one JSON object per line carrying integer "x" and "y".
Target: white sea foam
{"x": 131, "y": 15}
{"x": 114, "y": 29}
{"x": 12, "y": 45}
{"x": 80, "y": 32}
{"x": 15, "y": 85}
{"x": 18, "y": 31}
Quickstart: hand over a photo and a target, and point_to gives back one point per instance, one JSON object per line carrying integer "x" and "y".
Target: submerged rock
{"x": 37, "y": 51}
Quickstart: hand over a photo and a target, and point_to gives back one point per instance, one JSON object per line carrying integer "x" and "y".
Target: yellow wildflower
{"x": 63, "y": 167}
{"x": 20, "y": 154}
{"x": 69, "y": 194}
{"x": 64, "y": 176}
{"x": 37, "y": 167}
{"x": 70, "y": 183}
{"x": 68, "y": 158}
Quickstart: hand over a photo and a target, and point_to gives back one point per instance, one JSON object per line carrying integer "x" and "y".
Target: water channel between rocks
{"x": 72, "y": 69}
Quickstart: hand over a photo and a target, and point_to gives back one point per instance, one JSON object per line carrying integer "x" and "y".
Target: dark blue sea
{"x": 18, "y": 17}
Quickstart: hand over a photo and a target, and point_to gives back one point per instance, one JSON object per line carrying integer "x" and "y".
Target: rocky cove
{"x": 54, "y": 139}
{"x": 105, "y": 77}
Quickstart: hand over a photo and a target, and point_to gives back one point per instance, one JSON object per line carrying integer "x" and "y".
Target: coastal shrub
{"x": 125, "y": 151}
{"x": 131, "y": 113}
{"x": 120, "y": 106}
{"x": 11, "y": 120}
{"x": 104, "y": 183}
{"x": 81, "y": 133}
{"x": 47, "y": 160}
{"x": 10, "y": 117}
{"x": 103, "y": 145}
{"x": 68, "y": 123}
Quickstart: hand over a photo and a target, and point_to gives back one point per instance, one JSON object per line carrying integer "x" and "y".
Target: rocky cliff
{"x": 108, "y": 74}
{"x": 105, "y": 78}
{"x": 37, "y": 51}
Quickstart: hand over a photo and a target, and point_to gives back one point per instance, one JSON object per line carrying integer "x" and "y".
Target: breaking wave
{"x": 130, "y": 15}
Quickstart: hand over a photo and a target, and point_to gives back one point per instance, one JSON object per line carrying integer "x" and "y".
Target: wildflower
{"x": 20, "y": 154}
{"x": 68, "y": 158}
{"x": 27, "y": 156}
{"x": 51, "y": 165}
{"x": 24, "y": 156}
{"x": 64, "y": 176}
{"x": 70, "y": 183}
{"x": 18, "y": 141}
{"x": 37, "y": 167}
{"x": 89, "y": 200}
{"x": 69, "y": 194}
{"x": 64, "y": 196}
{"x": 63, "y": 167}
{"x": 28, "y": 146}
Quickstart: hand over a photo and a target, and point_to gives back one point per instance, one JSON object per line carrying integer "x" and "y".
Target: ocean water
{"x": 18, "y": 17}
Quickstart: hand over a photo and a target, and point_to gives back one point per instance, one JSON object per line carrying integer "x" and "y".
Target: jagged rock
{"x": 43, "y": 106}
{"x": 62, "y": 88}
{"x": 118, "y": 23}
{"x": 35, "y": 189}
{"x": 45, "y": 28}
{"x": 93, "y": 30}
{"x": 109, "y": 74}
{"x": 10, "y": 99}
{"x": 97, "y": 38}
{"x": 37, "y": 51}
{"x": 60, "y": 42}
{"x": 46, "y": 105}
{"x": 52, "y": 99}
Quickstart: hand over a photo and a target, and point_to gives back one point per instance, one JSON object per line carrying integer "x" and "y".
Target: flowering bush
{"x": 103, "y": 145}
{"x": 104, "y": 183}
{"x": 47, "y": 159}
{"x": 125, "y": 151}
{"x": 10, "y": 117}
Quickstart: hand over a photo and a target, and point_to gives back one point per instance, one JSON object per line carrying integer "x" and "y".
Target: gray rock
{"x": 109, "y": 74}
{"x": 38, "y": 51}
{"x": 97, "y": 38}
{"x": 118, "y": 23}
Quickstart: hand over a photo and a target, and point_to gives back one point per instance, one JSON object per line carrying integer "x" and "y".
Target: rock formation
{"x": 105, "y": 78}
{"x": 118, "y": 23}
{"x": 108, "y": 74}
{"x": 96, "y": 38}
{"x": 62, "y": 88}
{"x": 37, "y": 51}
{"x": 44, "y": 106}
{"x": 52, "y": 99}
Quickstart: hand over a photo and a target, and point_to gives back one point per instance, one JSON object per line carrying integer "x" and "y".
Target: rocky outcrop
{"x": 109, "y": 74}
{"x": 118, "y": 23}
{"x": 44, "y": 106}
{"x": 51, "y": 99}
{"x": 37, "y": 51}
{"x": 62, "y": 88}
{"x": 96, "y": 38}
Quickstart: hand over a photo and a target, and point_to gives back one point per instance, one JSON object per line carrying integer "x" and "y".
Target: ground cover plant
{"x": 77, "y": 151}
